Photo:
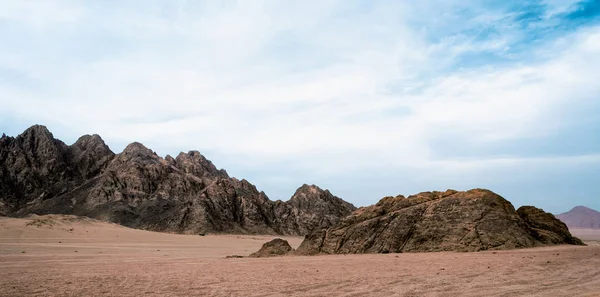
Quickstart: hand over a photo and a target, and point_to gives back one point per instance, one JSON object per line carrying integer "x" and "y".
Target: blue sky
{"x": 365, "y": 98}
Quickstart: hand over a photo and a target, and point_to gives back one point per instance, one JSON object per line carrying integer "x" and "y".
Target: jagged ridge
{"x": 138, "y": 188}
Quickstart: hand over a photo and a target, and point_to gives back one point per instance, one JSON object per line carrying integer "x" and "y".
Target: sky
{"x": 365, "y": 98}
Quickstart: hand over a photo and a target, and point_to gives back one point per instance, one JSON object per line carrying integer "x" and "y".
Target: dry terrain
{"x": 70, "y": 256}
{"x": 589, "y": 236}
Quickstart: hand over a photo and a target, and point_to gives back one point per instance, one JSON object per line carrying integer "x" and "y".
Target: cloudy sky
{"x": 365, "y": 98}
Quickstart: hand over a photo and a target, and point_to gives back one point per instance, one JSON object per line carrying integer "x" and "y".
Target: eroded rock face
{"x": 439, "y": 221}
{"x": 310, "y": 209}
{"x": 89, "y": 155}
{"x": 138, "y": 188}
{"x": 545, "y": 227}
{"x": 273, "y": 248}
{"x": 34, "y": 166}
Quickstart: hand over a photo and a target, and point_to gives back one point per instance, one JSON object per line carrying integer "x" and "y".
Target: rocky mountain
{"x": 309, "y": 209}
{"x": 581, "y": 217}
{"x": 439, "y": 221}
{"x": 137, "y": 188}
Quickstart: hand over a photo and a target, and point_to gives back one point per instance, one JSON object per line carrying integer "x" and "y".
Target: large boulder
{"x": 474, "y": 220}
{"x": 545, "y": 227}
{"x": 275, "y": 247}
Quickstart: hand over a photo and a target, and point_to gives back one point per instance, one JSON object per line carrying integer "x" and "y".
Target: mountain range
{"x": 137, "y": 188}
{"x": 189, "y": 194}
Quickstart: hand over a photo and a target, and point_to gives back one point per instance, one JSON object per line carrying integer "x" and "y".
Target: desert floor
{"x": 69, "y": 256}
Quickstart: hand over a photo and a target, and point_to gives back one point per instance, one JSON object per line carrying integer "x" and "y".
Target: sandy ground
{"x": 590, "y": 236}
{"x": 68, "y": 256}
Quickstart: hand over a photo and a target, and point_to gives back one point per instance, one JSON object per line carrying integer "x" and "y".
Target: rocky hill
{"x": 137, "y": 188}
{"x": 581, "y": 217}
{"x": 439, "y": 221}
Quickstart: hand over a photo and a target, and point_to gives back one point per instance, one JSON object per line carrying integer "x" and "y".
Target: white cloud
{"x": 40, "y": 14}
{"x": 324, "y": 87}
{"x": 559, "y": 6}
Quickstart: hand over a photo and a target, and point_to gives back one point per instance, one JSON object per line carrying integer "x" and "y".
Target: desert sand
{"x": 70, "y": 256}
{"x": 589, "y": 236}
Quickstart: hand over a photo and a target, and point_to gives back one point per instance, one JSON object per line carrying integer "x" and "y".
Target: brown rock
{"x": 89, "y": 155}
{"x": 234, "y": 257}
{"x": 438, "y": 221}
{"x": 138, "y": 188}
{"x": 34, "y": 166}
{"x": 545, "y": 227}
{"x": 275, "y": 247}
{"x": 195, "y": 163}
{"x": 310, "y": 209}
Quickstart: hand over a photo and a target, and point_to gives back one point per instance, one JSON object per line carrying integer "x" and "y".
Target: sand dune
{"x": 71, "y": 256}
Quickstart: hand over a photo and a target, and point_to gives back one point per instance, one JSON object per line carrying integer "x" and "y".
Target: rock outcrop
{"x": 137, "y": 188}
{"x": 474, "y": 220}
{"x": 273, "y": 248}
{"x": 545, "y": 227}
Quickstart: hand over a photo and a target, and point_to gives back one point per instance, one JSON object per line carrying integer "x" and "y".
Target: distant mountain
{"x": 137, "y": 188}
{"x": 581, "y": 217}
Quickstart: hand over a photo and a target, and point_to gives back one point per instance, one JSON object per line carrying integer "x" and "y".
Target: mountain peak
{"x": 582, "y": 208}
{"x": 309, "y": 189}
{"x": 581, "y": 217}
{"x": 135, "y": 147}
{"x": 38, "y": 140}
{"x": 90, "y": 141}
{"x": 37, "y": 131}
{"x": 37, "y": 128}
{"x": 194, "y": 162}
{"x": 137, "y": 152}
{"x": 312, "y": 194}
{"x": 193, "y": 154}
